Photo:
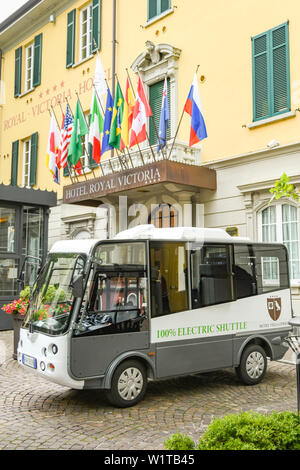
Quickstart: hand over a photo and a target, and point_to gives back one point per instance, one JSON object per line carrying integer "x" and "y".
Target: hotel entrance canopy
{"x": 133, "y": 175}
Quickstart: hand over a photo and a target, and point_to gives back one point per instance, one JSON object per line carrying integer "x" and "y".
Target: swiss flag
{"x": 141, "y": 112}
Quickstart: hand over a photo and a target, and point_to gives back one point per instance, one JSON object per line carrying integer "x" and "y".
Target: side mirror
{"x": 77, "y": 286}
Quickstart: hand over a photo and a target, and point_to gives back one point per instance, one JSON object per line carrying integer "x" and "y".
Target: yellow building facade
{"x": 246, "y": 57}
{"x": 219, "y": 40}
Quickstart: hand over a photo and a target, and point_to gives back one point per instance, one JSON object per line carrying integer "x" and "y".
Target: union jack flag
{"x": 65, "y": 136}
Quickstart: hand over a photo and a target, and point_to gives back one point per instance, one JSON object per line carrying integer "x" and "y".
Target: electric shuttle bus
{"x": 154, "y": 304}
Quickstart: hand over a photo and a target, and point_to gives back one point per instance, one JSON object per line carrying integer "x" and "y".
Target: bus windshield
{"x": 52, "y": 299}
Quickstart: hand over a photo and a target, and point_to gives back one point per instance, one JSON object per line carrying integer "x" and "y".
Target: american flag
{"x": 66, "y": 132}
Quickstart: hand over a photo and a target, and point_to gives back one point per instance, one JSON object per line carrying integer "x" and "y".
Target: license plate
{"x": 29, "y": 361}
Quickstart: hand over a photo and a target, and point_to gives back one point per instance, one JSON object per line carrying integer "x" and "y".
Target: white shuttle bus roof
{"x": 73, "y": 246}
{"x": 149, "y": 232}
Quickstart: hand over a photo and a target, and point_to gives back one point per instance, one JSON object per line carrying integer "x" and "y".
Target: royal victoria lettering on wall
{"x": 112, "y": 183}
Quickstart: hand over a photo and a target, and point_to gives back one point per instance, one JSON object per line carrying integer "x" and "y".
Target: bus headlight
{"x": 54, "y": 349}
{"x": 42, "y": 366}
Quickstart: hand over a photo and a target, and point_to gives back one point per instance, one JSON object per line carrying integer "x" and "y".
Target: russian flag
{"x": 194, "y": 108}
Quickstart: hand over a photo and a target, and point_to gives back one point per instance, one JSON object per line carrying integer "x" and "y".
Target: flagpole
{"x": 69, "y": 169}
{"x": 153, "y": 155}
{"x": 99, "y": 101}
{"x": 121, "y": 127}
{"x": 59, "y": 130}
{"x": 75, "y": 171}
{"x": 85, "y": 150}
{"x": 155, "y": 129}
{"x": 104, "y": 115}
{"x": 176, "y": 134}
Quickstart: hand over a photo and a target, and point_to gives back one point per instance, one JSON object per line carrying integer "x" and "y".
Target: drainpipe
{"x": 114, "y": 54}
{"x": 114, "y": 47}
{"x": 0, "y": 64}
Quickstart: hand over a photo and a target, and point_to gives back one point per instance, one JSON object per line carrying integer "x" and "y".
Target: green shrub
{"x": 246, "y": 431}
{"x": 179, "y": 442}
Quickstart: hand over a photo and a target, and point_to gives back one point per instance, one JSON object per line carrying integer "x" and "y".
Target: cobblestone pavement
{"x": 36, "y": 414}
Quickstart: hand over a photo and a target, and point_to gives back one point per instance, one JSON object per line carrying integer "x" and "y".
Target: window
{"x": 26, "y": 163}
{"x": 155, "y": 99}
{"x": 211, "y": 275}
{"x": 168, "y": 278}
{"x": 157, "y": 7}
{"x": 87, "y": 35}
{"x": 86, "y": 25}
{"x": 29, "y": 163}
{"x": 32, "y": 240}
{"x": 7, "y": 230}
{"x": 271, "y": 268}
{"x": 271, "y": 76}
{"x": 32, "y": 66}
{"x": 279, "y": 223}
{"x": 28, "y": 67}
{"x": 164, "y": 216}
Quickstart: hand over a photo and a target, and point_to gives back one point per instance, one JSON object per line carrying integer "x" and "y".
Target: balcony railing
{"x": 126, "y": 160}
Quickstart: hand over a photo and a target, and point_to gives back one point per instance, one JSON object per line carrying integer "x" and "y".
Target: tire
{"x": 128, "y": 385}
{"x": 253, "y": 365}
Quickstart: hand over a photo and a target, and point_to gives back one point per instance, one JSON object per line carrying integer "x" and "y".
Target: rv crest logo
{"x": 274, "y": 307}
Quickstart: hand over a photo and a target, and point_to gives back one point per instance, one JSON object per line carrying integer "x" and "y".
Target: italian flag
{"x": 96, "y": 129}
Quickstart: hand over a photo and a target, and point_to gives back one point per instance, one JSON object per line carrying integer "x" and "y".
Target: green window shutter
{"x": 155, "y": 99}
{"x": 164, "y": 5}
{"x": 66, "y": 171}
{"x": 260, "y": 77}
{"x": 152, "y": 9}
{"x": 33, "y": 158}
{"x": 18, "y": 71}
{"x": 156, "y": 7}
{"x": 96, "y": 22}
{"x": 37, "y": 59}
{"x": 280, "y": 64}
{"x": 14, "y": 163}
{"x": 71, "y": 38}
{"x": 271, "y": 77}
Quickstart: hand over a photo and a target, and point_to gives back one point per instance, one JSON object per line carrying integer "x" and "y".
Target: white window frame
{"x": 89, "y": 34}
{"x": 279, "y": 229}
{"x": 26, "y": 163}
{"x": 28, "y": 84}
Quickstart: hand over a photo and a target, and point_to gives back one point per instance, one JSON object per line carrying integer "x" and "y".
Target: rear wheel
{"x": 253, "y": 365}
{"x": 128, "y": 385}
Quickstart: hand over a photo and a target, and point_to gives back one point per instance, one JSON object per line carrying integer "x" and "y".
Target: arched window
{"x": 279, "y": 223}
{"x": 164, "y": 216}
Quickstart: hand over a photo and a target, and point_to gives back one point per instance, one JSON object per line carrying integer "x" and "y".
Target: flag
{"x": 164, "y": 119}
{"x": 193, "y": 107}
{"x": 127, "y": 116}
{"x": 66, "y": 132}
{"x": 115, "y": 130}
{"x": 53, "y": 145}
{"x": 80, "y": 129}
{"x": 141, "y": 111}
{"x": 100, "y": 84}
{"x": 96, "y": 128}
{"x": 107, "y": 122}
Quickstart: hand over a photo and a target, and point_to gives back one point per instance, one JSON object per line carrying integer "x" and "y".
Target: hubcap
{"x": 130, "y": 383}
{"x": 255, "y": 365}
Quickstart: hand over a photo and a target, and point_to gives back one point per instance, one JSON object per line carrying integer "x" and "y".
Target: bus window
{"x": 244, "y": 271}
{"x": 271, "y": 268}
{"x": 168, "y": 278}
{"x": 211, "y": 275}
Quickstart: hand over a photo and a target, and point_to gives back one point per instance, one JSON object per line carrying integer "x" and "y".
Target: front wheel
{"x": 128, "y": 385}
{"x": 253, "y": 365}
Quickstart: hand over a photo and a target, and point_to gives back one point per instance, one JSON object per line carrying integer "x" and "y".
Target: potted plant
{"x": 18, "y": 309}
